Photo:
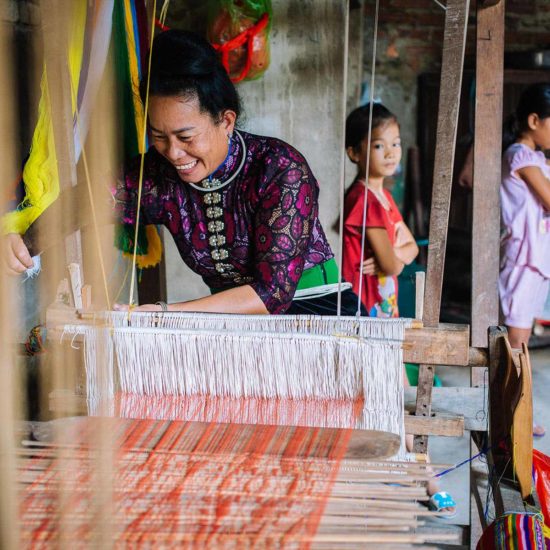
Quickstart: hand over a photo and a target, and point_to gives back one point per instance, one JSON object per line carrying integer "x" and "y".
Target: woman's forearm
{"x": 242, "y": 299}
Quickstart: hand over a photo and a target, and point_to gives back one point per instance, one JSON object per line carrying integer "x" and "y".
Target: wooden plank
{"x": 451, "y": 80}
{"x": 487, "y": 173}
{"x": 450, "y": 425}
{"x": 478, "y": 357}
{"x": 67, "y": 402}
{"x": 471, "y": 403}
{"x": 362, "y": 444}
{"x": 445, "y": 344}
{"x": 12, "y": 402}
{"x": 507, "y": 497}
{"x": 522, "y": 431}
{"x": 419, "y": 287}
{"x": 454, "y": 40}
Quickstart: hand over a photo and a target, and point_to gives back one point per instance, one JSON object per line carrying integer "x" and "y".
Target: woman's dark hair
{"x": 357, "y": 123}
{"x": 184, "y": 64}
{"x": 534, "y": 99}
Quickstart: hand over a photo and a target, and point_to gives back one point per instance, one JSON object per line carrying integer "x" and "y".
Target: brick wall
{"x": 410, "y": 42}
{"x": 411, "y": 31}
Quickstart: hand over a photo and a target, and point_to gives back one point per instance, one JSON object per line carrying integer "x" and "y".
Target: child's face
{"x": 540, "y": 128}
{"x": 385, "y": 152}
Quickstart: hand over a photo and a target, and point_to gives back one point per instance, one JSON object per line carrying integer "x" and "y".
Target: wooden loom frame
{"x": 434, "y": 343}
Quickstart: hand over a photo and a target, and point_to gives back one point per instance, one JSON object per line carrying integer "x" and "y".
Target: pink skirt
{"x": 523, "y": 292}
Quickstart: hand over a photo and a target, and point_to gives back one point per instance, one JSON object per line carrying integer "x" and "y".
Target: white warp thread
{"x": 238, "y": 363}
{"x": 98, "y": 357}
{"x": 279, "y": 412}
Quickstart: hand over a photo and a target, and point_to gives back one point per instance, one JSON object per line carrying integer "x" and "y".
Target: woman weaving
{"x": 242, "y": 209}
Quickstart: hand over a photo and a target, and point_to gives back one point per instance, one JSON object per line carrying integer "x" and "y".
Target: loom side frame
{"x": 437, "y": 344}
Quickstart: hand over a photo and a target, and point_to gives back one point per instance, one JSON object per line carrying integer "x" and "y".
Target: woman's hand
{"x": 370, "y": 267}
{"x": 16, "y": 255}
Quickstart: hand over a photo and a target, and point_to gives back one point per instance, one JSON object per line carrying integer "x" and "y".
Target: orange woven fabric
{"x": 185, "y": 485}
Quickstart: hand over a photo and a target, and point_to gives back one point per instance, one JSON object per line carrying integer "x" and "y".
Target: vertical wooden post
{"x": 454, "y": 40}
{"x": 420, "y": 285}
{"x": 487, "y": 168}
{"x": 10, "y": 406}
{"x": 486, "y": 182}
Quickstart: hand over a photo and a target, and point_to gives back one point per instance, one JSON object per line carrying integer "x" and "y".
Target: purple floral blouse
{"x": 261, "y": 229}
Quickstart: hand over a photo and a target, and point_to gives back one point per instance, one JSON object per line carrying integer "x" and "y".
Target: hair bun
{"x": 183, "y": 54}
{"x": 184, "y": 64}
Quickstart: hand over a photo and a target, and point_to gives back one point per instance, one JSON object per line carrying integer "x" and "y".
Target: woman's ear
{"x": 228, "y": 121}
{"x": 352, "y": 154}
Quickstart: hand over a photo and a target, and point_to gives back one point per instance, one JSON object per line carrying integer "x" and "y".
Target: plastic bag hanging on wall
{"x": 239, "y": 30}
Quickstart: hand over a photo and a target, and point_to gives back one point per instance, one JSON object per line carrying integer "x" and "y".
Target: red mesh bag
{"x": 239, "y": 30}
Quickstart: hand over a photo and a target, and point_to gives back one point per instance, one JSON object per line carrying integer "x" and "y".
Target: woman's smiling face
{"x": 190, "y": 139}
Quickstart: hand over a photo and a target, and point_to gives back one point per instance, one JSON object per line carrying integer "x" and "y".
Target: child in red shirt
{"x": 376, "y": 248}
{"x": 377, "y": 243}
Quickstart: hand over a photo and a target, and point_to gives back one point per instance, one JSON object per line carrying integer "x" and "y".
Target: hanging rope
{"x": 440, "y": 4}
{"x": 343, "y": 162}
{"x": 162, "y": 16}
{"x": 142, "y": 160}
{"x": 91, "y": 198}
{"x": 369, "y": 137}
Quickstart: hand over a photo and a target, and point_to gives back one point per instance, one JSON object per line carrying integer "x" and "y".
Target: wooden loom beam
{"x": 486, "y": 183}
{"x": 454, "y": 40}
{"x": 487, "y": 168}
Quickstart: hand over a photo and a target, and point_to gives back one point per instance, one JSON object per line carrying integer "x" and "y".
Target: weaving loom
{"x": 269, "y": 458}
{"x": 355, "y": 364}
{"x": 183, "y": 484}
{"x": 236, "y": 478}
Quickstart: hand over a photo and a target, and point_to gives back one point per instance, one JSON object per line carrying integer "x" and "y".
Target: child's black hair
{"x": 534, "y": 99}
{"x": 357, "y": 123}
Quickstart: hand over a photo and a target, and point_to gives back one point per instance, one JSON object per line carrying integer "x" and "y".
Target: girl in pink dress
{"x": 525, "y": 209}
{"x": 525, "y": 204}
